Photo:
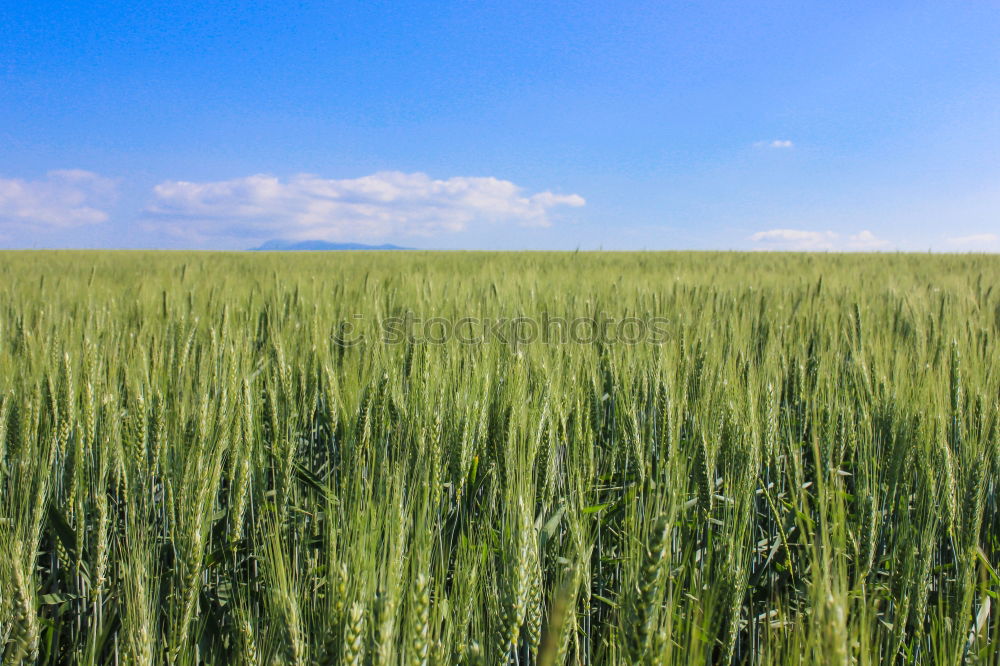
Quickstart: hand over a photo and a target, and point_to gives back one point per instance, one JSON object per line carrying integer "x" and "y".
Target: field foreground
{"x": 420, "y": 458}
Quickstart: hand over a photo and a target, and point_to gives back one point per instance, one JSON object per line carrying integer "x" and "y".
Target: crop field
{"x": 475, "y": 458}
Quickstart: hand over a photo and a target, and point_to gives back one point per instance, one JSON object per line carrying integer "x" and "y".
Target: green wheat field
{"x": 245, "y": 458}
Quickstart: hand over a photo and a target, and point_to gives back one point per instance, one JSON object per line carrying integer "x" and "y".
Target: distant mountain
{"x": 318, "y": 245}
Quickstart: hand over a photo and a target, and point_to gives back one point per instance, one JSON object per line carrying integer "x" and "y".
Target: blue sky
{"x": 501, "y": 125}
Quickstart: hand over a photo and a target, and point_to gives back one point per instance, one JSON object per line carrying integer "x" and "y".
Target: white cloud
{"x": 383, "y": 205}
{"x": 865, "y": 241}
{"x": 776, "y": 143}
{"x": 975, "y": 241}
{"x": 795, "y": 239}
{"x": 814, "y": 241}
{"x": 63, "y": 199}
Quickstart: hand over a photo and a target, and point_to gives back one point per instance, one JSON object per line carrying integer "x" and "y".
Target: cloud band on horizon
{"x": 64, "y": 199}
{"x": 802, "y": 240}
{"x": 384, "y": 205}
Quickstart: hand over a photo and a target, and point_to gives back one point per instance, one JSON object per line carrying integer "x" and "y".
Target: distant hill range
{"x": 318, "y": 245}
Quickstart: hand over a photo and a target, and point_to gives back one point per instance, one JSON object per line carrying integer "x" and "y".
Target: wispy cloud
{"x": 63, "y": 199}
{"x": 865, "y": 241}
{"x": 803, "y": 240}
{"x": 975, "y": 242}
{"x": 795, "y": 239}
{"x": 775, "y": 143}
{"x": 383, "y": 205}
